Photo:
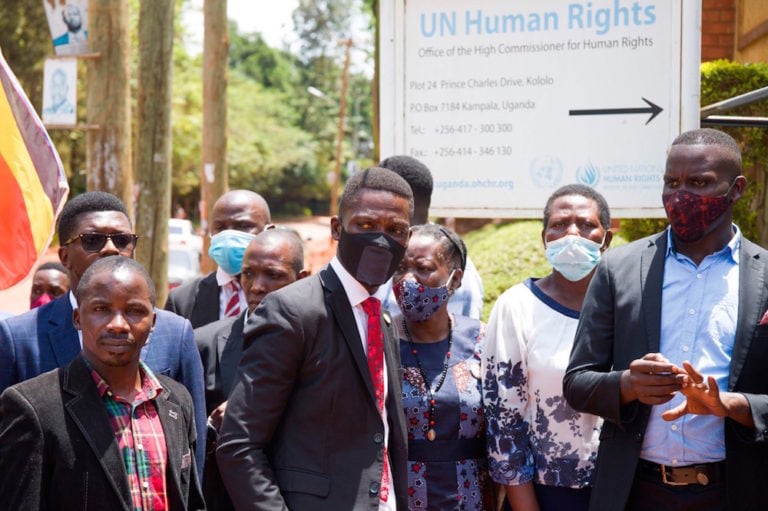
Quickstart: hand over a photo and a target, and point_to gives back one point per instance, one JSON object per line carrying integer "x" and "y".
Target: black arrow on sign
{"x": 652, "y": 109}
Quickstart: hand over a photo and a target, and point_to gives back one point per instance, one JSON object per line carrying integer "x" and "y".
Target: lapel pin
{"x": 387, "y": 319}
{"x": 173, "y": 414}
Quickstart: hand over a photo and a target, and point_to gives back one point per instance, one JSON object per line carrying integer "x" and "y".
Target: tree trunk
{"x": 109, "y": 148}
{"x": 153, "y": 147}
{"x": 213, "y": 177}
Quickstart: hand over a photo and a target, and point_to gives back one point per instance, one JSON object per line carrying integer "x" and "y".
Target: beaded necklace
{"x": 431, "y": 435}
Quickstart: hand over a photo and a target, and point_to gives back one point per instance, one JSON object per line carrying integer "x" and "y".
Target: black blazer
{"x": 220, "y": 345}
{"x": 302, "y": 430}
{"x": 196, "y": 300}
{"x": 620, "y": 322}
{"x": 58, "y": 449}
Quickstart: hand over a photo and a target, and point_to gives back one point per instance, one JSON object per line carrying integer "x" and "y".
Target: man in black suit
{"x": 274, "y": 259}
{"x": 672, "y": 349}
{"x": 93, "y": 434}
{"x": 237, "y": 216}
{"x": 315, "y": 419}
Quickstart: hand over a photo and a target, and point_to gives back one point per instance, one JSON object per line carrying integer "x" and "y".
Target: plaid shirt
{"x": 140, "y": 438}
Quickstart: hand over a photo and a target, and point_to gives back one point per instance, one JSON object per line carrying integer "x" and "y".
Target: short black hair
{"x": 603, "y": 211}
{"x": 375, "y": 178}
{"x": 414, "y": 172}
{"x": 112, "y": 264}
{"x": 453, "y": 247}
{"x": 709, "y": 136}
{"x": 53, "y": 265}
{"x": 289, "y": 236}
{"x": 87, "y": 202}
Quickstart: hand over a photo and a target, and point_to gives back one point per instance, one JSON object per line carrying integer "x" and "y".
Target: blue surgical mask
{"x": 418, "y": 302}
{"x": 228, "y": 248}
{"x": 573, "y": 256}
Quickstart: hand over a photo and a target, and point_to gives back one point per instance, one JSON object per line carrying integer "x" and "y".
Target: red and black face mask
{"x": 690, "y": 214}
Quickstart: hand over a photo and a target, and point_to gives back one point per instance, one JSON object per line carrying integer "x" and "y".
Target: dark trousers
{"x": 557, "y": 498}
{"x": 650, "y": 493}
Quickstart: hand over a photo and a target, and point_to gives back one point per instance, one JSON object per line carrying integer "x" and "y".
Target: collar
{"x": 223, "y": 278}
{"x": 355, "y": 291}
{"x": 72, "y": 299}
{"x": 150, "y": 385}
{"x": 733, "y": 245}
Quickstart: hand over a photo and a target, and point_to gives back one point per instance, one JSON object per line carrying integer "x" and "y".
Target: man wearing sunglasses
{"x": 91, "y": 226}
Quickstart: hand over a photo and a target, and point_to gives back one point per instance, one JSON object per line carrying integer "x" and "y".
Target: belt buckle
{"x": 666, "y": 481}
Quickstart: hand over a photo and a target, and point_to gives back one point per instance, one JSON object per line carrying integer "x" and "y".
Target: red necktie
{"x": 233, "y": 305}
{"x": 372, "y": 307}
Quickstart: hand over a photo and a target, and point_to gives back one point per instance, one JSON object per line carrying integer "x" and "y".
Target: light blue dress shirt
{"x": 699, "y": 309}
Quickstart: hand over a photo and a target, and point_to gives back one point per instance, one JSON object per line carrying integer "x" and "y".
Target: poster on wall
{"x": 60, "y": 91}
{"x": 68, "y": 23}
{"x": 505, "y": 101}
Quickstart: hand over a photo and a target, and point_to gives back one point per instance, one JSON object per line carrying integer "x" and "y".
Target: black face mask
{"x": 371, "y": 258}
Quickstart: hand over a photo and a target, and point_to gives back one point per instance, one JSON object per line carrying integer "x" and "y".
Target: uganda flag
{"x": 33, "y": 186}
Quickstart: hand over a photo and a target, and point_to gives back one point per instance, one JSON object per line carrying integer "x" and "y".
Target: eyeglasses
{"x": 95, "y": 241}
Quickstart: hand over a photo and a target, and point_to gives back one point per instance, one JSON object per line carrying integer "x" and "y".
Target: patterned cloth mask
{"x": 228, "y": 248}
{"x": 417, "y": 301}
{"x": 573, "y": 256}
{"x": 690, "y": 214}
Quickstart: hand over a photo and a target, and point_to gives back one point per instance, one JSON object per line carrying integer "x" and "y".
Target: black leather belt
{"x": 702, "y": 473}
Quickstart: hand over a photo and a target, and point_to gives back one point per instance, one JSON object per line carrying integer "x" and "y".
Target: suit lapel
{"x": 61, "y": 332}
{"x": 229, "y": 346}
{"x": 651, "y": 280}
{"x": 206, "y": 308}
{"x": 751, "y": 300}
{"x": 87, "y": 410}
{"x": 176, "y": 446}
{"x": 342, "y": 311}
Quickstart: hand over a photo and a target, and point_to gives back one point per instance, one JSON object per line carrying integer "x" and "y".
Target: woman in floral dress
{"x": 540, "y": 449}
{"x": 441, "y": 389}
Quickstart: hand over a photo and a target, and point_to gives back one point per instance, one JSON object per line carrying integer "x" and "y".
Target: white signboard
{"x": 505, "y": 101}
{"x": 68, "y": 22}
{"x": 60, "y": 91}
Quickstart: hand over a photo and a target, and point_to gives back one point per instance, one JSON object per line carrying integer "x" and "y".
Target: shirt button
{"x": 673, "y": 427}
{"x": 691, "y": 311}
{"x": 139, "y": 447}
{"x": 685, "y": 348}
{"x": 374, "y": 489}
{"x": 699, "y": 276}
{"x": 145, "y": 484}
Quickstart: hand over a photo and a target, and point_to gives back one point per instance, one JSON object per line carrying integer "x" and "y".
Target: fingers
{"x": 695, "y": 375}
{"x": 676, "y": 412}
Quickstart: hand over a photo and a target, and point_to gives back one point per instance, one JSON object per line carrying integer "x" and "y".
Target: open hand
{"x": 701, "y": 398}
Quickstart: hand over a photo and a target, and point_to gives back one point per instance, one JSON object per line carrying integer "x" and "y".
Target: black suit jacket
{"x": 302, "y": 430}
{"x": 221, "y": 345}
{"x": 620, "y": 322}
{"x": 196, "y": 300}
{"x": 58, "y": 449}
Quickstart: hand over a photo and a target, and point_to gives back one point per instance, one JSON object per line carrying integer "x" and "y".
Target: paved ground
{"x": 318, "y": 250}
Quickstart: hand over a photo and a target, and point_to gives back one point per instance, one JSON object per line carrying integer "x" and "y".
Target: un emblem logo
{"x": 588, "y": 175}
{"x": 546, "y": 171}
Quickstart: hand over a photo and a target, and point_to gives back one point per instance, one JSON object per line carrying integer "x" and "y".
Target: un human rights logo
{"x": 588, "y": 175}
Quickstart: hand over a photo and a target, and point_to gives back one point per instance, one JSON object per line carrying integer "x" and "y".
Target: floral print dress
{"x": 533, "y": 434}
{"x": 449, "y": 472}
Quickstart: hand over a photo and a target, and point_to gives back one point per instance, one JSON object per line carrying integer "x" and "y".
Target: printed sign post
{"x": 505, "y": 101}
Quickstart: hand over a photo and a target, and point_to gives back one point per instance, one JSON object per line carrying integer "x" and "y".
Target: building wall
{"x": 751, "y": 41}
{"x": 718, "y": 29}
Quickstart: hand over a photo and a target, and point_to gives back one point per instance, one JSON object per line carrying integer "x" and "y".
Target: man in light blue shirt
{"x": 672, "y": 351}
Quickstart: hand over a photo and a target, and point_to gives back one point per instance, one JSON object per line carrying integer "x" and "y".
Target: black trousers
{"x": 649, "y": 492}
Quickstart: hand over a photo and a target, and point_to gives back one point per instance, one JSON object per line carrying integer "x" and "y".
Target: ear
{"x": 336, "y": 228}
{"x": 737, "y": 190}
{"x": 608, "y": 239}
{"x": 458, "y": 274}
{"x": 303, "y": 273}
{"x": 543, "y": 239}
{"x": 64, "y": 256}
{"x": 76, "y": 318}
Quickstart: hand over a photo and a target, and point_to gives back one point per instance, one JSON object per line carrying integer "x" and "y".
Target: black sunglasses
{"x": 95, "y": 241}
